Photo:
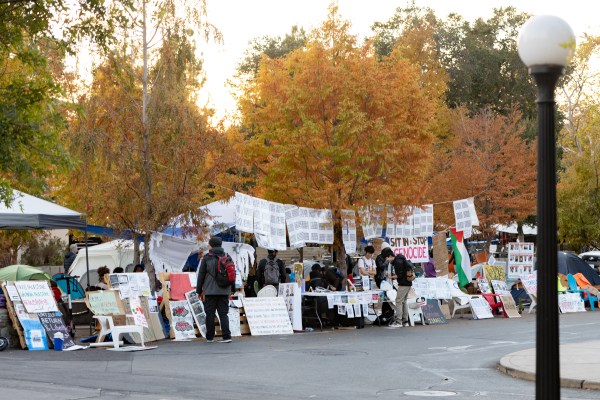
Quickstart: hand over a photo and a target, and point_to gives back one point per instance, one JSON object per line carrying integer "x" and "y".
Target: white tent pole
{"x": 87, "y": 261}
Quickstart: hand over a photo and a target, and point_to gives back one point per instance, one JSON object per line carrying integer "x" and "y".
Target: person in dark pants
{"x": 216, "y": 298}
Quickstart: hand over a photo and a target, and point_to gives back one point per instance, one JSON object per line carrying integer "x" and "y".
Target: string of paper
{"x": 418, "y": 222}
{"x": 465, "y": 216}
{"x": 308, "y": 225}
{"x": 371, "y": 221}
{"x": 269, "y": 224}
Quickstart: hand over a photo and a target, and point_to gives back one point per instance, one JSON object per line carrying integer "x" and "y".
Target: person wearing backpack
{"x": 405, "y": 274}
{"x": 271, "y": 270}
{"x": 216, "y": 291}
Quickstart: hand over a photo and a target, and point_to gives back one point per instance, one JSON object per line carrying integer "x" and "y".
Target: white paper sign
{"x": 480, "y": 307}
{"x": 308, "y": 225}
{"x": 349, "y": 231}
{"x": 12, "y": 293}
{"x": 372, "y": 221}
{"x": 570, "y": 302}
{"x": 530, "y": 283}
{"x": 267, "y": 316}
{"x": 36, "y": 296}
{"x": 182, "y": 320}
{"x": 244, "y": 213}
{"x": 138, "y": 313}
{"x": 462, "y": 216}
{"x": 520, "y": 259}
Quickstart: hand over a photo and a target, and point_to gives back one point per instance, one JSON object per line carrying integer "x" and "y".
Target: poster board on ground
{"x": 36, "y": 296}
{"x": 570, "y": 303}
{"x": 53, "y": 323}
{"x": 286, "y": 292}
{"x": 182, "y": 320}
{"x": 35, "y": 336}
{"x": 198, "y": 312}
{"x": 267, "y": 316}
{"x": 433, "y": 314}
{"x": 509, "y": 306}
{"x": 480, "y": 307}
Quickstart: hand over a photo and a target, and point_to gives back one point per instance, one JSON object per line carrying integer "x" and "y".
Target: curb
{"x": 564, "y": 382}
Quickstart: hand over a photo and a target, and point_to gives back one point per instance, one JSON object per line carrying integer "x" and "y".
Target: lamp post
{"x": 545, "y": 44}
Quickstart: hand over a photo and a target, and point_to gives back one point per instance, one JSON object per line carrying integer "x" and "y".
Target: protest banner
{"x": 413, "y": 248}
{"x": 36, "y": 296}
{"x": 267, "y": 316}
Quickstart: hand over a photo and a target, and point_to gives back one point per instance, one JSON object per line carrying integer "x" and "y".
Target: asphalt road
{"x": 457, "y": 360}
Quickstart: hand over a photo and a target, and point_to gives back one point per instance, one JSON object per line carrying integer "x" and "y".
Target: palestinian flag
{"x": 462, "y": 262}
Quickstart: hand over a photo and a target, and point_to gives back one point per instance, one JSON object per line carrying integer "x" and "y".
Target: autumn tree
{"x": 184, "y": 152}
{"x": 334, "y": 126}
{"x": 578, "y": 191}
{"x": 490, "y": 160}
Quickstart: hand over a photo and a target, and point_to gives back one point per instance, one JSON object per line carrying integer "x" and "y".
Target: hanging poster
{"x": 269, "y": 224}
{"x": 244, "y": 213}
{"x": 308, "y": 225}
{"x": 570, "y": 303}
{"x": 35, "y": 336}
{"x": 427, "y": 220}
{"x": 509, "y": 306}
{"x": 413, "y": 248}
{"x": 480, "y": 307}
{"x": 36, "y": 296}
{"x": 462, "y": 216}
{"x": 53, "y": 323}
{"x": 182, "y": 320}
{"x": 349, "y": 230}
{"x": 105, "y": 302}
{"x": 267, "y": 316}
{"x": 372, "y": 221}
{"x": 520, "y": 259}
{"x": 198, "y": 312}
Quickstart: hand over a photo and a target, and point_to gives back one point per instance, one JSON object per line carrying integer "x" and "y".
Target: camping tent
{"x": 571, "y": 264}
{"x": 117, "y": 253}
{"x": 29, "y": 212}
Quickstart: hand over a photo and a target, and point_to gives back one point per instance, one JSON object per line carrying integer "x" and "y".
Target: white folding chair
{"x": 107, "y": 326}
{"x": 460, "y": 303}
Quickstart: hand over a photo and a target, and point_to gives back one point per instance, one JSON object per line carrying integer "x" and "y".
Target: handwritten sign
{"x": 106, "y": 302}
{"x": 53, "y": 322}
{"x": 413, "y": 248}
{"x": 433, "y": 313}
{"x": 530, "y": 283}
{"x": 135, "y": 307}
{"x": 570, "y": 303}
{"x": 432, "y": 288}
{"x": 509, "y": 306}
{"x": 480, "y": 307}
{"x": 182, "y": 320}
{"x": 36, "y": 296}
{"x": 267, "y": 316}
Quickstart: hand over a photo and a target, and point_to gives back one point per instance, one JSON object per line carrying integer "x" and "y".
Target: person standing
{"x": 216, "y": 298}
{"x": 270, "y": 271}
{"x": 70, "y": 257}
{"x": 366, "y": 265}
{"x": 429, "y": 267}
{"x": 404, "y": 272}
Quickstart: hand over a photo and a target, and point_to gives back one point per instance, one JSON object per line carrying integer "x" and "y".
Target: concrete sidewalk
{"x": 579, "y": 365}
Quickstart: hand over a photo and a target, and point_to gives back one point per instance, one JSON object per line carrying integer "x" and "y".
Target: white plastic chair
{"x": 533, "y": 302}
{"x": 460, "y": 303}
{"x": 107, "y": 326}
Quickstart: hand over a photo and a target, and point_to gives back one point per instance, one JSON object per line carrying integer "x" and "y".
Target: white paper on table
{"x": 365, "y": 309}
{"x": 342, "y": 310}
{"x": 357, "y": 308}
{"x": 330, "y": 301}
{"x": 350, "y": 311}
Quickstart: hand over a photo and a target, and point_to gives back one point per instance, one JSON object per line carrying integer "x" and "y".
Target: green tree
{"x": 328, "y": 134}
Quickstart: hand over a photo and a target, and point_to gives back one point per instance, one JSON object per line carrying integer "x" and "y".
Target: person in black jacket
{"x": 261, "y": 271}
{"x": 70, "y": 257}
{"x": 216, "y": 298}
{"x": 401, "y": 267}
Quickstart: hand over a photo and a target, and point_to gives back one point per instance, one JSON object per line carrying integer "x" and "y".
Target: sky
{"x": 241, "y": 21}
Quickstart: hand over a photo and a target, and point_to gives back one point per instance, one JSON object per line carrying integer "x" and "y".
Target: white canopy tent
{"x": 512, "y": 228}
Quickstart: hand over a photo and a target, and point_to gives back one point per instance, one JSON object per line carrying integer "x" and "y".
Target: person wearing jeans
{"x": 216, "y": 298}
{"x": 401, "y": 267}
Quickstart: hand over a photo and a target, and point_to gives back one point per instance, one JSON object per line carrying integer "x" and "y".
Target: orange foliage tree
{"x": 487, "y": 158}
{"x": 332, "y": 126}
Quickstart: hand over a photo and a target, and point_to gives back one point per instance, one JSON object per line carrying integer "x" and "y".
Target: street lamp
{"x": 546, "y": 43}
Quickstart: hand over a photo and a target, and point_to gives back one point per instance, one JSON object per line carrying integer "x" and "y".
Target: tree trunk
{"x": 521, "y": 236}
{"x": 339, "y": 250}
{"x": 136, "y": 250}
{"x": 148, "y": 266}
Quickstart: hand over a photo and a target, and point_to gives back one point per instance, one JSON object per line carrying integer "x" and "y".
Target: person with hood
{"x": 216, "y": 298}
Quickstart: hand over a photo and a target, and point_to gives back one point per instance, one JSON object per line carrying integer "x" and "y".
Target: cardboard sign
{"x": 198, "y": 312}
{"x": 53, "y": 322}
{"x": 440, "y": 254}
{"x": 433, "y": 314}
{"x": 135, "y": 307}
{"x": 480, "y": 307}
{"x": 509, "y": 306}
{"x": 105, "y": 302}
{"x": 570, "y": 303}
{"x": 267, "y": 316}
{"x": 413, "y": 248}
{"x": 182, "y": 320}
{"x": 36, "y": 296}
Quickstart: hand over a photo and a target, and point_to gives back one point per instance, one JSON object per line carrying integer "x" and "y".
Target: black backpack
{"x": 271, "y": 273}
{"x": 407, "y": 267}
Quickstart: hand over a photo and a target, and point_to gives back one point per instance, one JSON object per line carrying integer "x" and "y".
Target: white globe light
{"x": 546, "y": 40}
